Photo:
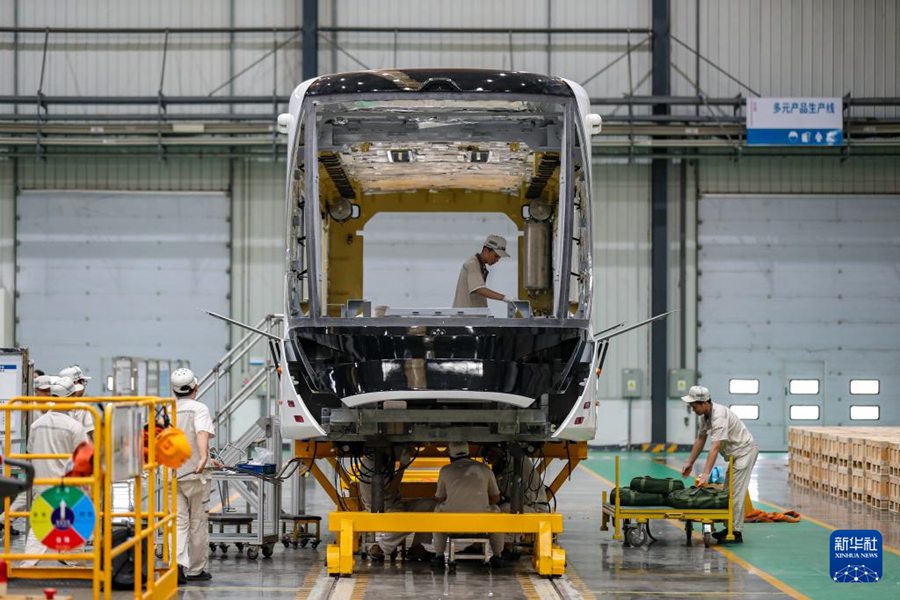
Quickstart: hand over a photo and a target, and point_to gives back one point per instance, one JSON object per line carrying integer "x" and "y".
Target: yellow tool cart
{"x": 634, "y": 521}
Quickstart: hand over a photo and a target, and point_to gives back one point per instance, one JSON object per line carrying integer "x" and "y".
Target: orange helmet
{"x": 172, "y": 447}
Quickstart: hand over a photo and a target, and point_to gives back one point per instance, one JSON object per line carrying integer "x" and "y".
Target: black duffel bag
{"x": 699, "y": 497}
{"x": 656, "y": 485}
{"x": 123, "y": 564}
{"x": 632, "y": 497}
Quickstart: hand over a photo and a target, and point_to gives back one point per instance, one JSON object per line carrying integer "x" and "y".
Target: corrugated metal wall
{"x": 804, "y": 47}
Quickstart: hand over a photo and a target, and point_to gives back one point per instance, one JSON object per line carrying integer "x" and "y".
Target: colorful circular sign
{"x": 63, "y": 518}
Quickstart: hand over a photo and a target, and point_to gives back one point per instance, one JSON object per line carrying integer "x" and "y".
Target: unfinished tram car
{"x": 432, "y": 146}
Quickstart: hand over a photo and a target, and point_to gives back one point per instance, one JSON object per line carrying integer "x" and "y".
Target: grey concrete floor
{"x": 597, "y": 564}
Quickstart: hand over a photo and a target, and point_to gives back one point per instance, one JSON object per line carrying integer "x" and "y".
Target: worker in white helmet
{"x": 76, "y": 374}
{"x": 194, "y": 485}
{"x": 54, "y": 432}
{"x": 42, "y": 385}
{"x": 731, "y": 439}
{"x": 465, "y": 486}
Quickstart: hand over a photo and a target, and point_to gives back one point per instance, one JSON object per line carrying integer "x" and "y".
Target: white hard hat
{"x": 75, "y": 372}
{"x": 183, "y": 381}
{"x": 64, "y": 387}
{"x": 458, "y": 449}
{"x": 697, "y": 393}
{"x": 43, "y": 382}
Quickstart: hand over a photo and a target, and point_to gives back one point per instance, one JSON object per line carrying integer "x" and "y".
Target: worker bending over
{"x": 471, "y": 287}
{"x": 54, "y": 432}
{"x": 466, "y": 486}
{"x": 731, "y": 439}
{"x": 386, "y": 543}
{"x": 193, "y": 485}
{"x": 533, "y": 491}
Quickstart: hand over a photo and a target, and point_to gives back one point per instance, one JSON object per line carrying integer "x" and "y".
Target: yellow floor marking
{"x": 527, "y": 586}
{"x": 309, "y": 582}
{"x": 823, "y": 524}
{"x": 218, "y": 507}
{"x": 771, "y": 579}
{"x": 359, "y": 590}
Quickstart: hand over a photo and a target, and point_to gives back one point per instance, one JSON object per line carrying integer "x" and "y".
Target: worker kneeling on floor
{"x": 731, "y": 439}
{"x": 466, "y": 486}
{"x": 193, "y": 485}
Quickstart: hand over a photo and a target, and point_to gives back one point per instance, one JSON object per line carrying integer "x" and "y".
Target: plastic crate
{"x": 267, "y": 469}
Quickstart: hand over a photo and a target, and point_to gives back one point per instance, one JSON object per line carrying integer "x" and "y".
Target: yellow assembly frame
{"x": 420, "y": 481}
{"x": 162, "y": 580}
{"x": 643, "y": 515}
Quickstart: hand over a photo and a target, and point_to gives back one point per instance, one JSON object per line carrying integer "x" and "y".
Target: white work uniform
{"x": 51, "y": 433}
{"x": 193, "y": 491}
{"x": 735, "y": 441}
{"x": 472, "y": 276}
{"x": 82, "y": 416}
{"x": 466, "y": 486}
{"x": 394, "y": 502}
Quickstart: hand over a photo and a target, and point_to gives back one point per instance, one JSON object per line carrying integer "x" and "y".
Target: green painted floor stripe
{"x": 795, "y": 553}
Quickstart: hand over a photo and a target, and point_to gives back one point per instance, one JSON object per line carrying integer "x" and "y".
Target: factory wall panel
{"x": 7, "y": 251}
{"x": 802, "y": 48}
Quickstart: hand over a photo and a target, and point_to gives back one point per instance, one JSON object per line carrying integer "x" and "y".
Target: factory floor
{"x": 776, "y": 560}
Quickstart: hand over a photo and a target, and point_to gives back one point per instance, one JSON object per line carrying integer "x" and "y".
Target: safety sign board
{"x": 62, "y": 518}
{"x": 795, "y": 121}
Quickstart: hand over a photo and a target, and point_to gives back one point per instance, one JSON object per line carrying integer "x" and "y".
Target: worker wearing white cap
{"x": 80, "y": 380}
{"x": 54, "y": 432}
{"x": 193, "y": 483}
{"x": 471, "y": 287}
{"x": 731, "y": 439}
{"x": 42, "y": 384}
{"x": 466, "y": 486}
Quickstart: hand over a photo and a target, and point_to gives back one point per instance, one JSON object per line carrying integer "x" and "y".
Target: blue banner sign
{"x": 795, "y": 121}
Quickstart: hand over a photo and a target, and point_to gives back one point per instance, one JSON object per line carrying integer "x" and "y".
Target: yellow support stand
{"x": 548, "y": 560}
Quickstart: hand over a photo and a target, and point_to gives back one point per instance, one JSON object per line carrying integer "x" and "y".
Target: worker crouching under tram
{"x": 386, "y": 543}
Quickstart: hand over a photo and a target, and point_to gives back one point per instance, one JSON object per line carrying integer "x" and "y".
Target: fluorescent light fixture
{"x": 804, "y": 412}
{"x": 865, "y": 386}
{"x": 800, "y": 387}
{"x": 743, "y": 386}
{"x": 865, "y": 413}
{"x": 747, "y": 412}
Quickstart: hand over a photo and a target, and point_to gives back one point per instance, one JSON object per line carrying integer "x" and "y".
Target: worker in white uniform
{"x": 80, "y": 379}
{"x": 731, "y": 439}
{"x": 466, "y": 486}
{"x": 42, "y": 385}
{"x": 386, "y": 543}
{"x": 471, "y": 287}
{"x": 194, "y": 485}
{"x": 54, "y": 432}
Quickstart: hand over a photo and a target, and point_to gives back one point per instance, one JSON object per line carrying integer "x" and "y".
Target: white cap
{"x": 75, "y": 372}
{"x": 64, "y": 387}
{"x": 183, "y": 381}
{"x": 697, "y": 393}
{"x": 497, "y": 244}
{"x": 43, "y": 382}
{"x": 458, "y": 449}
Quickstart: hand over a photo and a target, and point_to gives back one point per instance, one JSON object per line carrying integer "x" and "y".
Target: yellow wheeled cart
{"x": 634, "y": 521}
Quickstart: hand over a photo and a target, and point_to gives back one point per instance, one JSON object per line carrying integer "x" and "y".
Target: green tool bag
{"x": 699, "y": 497}
{"x": 656, "y": 485}
{"x": 632, "y": 497}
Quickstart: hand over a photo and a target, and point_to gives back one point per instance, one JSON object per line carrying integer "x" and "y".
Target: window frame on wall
{"x": 800, "y": 381}
{"x": 863, "y": 381}
{"x": 804, "y": 406}
{"x": 866, "y": 406}
{"x": 740, "y": 408}
{"x": 735, "y": 380}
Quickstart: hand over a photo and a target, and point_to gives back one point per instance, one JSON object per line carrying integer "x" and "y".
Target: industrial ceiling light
{"x": 479, "y": 156}
{"x": 342, "y": 209}
{"x": 401, "y": 156}
{"x": 539, "y": 210}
